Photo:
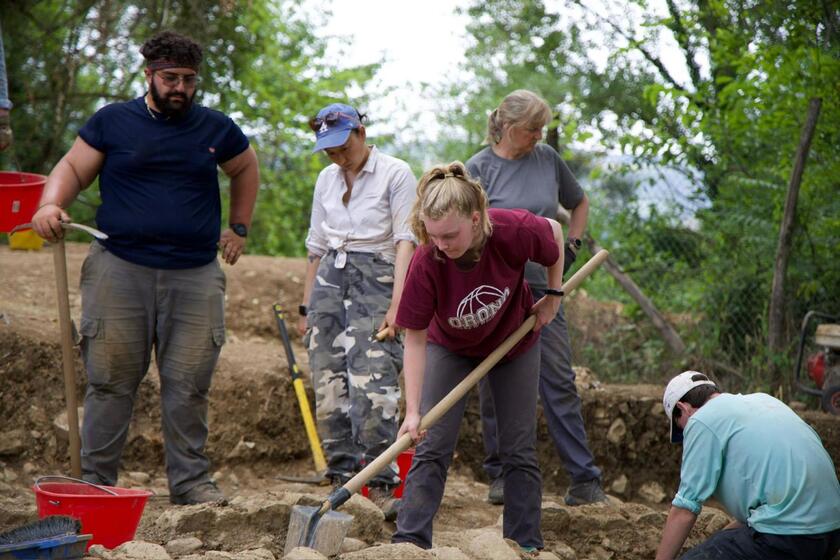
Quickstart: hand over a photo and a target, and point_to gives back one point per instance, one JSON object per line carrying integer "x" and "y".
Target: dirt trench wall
{"x": 250, "y": 420}
{"x": 254, "y": 419}
{"x": 627, "y": 436}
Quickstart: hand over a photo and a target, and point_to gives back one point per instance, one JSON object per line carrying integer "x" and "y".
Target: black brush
{"x": 52, "y": 526}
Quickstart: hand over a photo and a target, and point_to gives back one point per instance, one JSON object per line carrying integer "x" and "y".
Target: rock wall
{"x": 258, "y": 422}
{"x": 628, "y": 435}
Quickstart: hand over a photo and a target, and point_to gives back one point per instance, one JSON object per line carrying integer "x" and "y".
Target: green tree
{"x": 264, "y": 66}
{"x": 725, "y": 107}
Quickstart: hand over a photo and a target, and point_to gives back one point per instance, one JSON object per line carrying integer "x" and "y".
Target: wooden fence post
{"x": 669, "y": 335}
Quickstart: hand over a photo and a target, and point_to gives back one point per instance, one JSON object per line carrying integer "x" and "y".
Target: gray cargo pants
{"x": 355, "y": 377}
{"x": 128, "y": 310}
{"x": 514, "y": 386}
{"x": 560, "y": 401}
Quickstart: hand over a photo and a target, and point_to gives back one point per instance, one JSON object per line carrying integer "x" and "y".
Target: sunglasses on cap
{"x": 331, "y": 119}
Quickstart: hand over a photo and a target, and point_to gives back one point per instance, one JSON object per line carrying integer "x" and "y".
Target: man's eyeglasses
{"x": 330, "y": 119}
{"x": 172, "y": 80}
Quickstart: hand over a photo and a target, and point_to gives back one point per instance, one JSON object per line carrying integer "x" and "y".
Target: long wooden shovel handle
{"x": 457, "y": 393}
{"x": 60, "y": 264}
{"x": 64, "y": 321}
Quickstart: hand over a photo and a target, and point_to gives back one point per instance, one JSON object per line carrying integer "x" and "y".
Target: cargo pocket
{"x": 217, "y": 318}
{"x": 219, "y": 336}
{"x": 92, "y": 345}
{"x": 207, "y": 358}
{"x": 89, "y": 329}
{"x": 307, "y": 337}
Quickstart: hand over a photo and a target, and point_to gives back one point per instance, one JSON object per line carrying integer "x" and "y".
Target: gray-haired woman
{"x": 519, "y": 172}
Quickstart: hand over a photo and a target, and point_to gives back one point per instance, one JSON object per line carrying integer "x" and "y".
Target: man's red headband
{"x": 163, "y": 64}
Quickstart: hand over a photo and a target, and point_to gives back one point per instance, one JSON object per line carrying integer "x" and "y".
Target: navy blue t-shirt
{"x": 159, "y": 183}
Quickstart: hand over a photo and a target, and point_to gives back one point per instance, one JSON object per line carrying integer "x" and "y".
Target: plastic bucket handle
{"x": 98, "y": 487}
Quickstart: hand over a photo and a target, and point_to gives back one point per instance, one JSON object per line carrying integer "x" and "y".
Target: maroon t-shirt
{"x": 471, "y": 312}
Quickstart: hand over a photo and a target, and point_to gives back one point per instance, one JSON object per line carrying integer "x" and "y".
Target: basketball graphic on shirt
{"x": 479, "y": 307}
{"x": 478, "y": 298}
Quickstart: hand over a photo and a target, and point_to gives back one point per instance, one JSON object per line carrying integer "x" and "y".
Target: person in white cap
{"x": 763, "y": 463}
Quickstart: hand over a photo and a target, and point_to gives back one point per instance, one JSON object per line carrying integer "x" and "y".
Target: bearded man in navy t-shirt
{"x": 155, "y": 284}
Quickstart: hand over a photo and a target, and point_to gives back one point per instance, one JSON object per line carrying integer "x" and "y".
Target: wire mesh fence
{"x": 707, "y": 282}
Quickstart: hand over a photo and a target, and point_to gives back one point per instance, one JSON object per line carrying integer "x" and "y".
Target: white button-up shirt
{"x": 375, "y": 218}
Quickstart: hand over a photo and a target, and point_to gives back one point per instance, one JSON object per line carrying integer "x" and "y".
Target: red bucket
{"x": 404, "y": 461}
{"x": 109, "y": 513}
{"x": 19, "y": 196}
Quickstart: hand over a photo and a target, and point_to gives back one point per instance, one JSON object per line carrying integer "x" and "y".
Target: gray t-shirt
{"x": 539, "y": 181}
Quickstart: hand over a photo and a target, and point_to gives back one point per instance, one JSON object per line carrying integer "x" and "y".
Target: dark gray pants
{"x": 745, "y": 543}
{"x": 561, "y": 406}
{"x": 128, "y": 310}
{"x": 514, "y": 388}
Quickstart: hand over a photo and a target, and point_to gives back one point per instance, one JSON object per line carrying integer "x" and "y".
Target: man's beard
{"x": 165, "y": 104}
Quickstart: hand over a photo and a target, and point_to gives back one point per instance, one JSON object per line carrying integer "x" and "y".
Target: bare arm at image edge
{"x": 677, "y": 528}
{"x": 547, "y": 307}
{"x": 414, "y": 365}
{"x": 73, "y": 173}
{"x": 579, "y": 217}
{"x": 405, "y": 249}
{"x": 312, "y": 263}
{"x": 244, "y": 173}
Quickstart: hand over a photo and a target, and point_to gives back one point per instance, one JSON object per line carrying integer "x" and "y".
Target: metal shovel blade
{"x": 66, "y": 225}
{"x": 331, "y": 528}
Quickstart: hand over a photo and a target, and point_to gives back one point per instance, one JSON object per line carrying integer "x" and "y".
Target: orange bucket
{"x": 109, "y": 513}
{"x": 19, "y": 196}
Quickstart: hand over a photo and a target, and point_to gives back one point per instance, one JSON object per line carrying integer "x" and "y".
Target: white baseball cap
{"x": 676, "y": 389}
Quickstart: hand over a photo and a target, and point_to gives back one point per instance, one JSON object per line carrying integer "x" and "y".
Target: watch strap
{"x": 239, "y": 229}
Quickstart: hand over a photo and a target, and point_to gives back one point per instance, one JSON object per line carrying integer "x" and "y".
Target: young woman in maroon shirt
{"x": 465, "y": 293}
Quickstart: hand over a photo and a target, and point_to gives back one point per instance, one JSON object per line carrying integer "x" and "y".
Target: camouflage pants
{"x": 355, "y": 377}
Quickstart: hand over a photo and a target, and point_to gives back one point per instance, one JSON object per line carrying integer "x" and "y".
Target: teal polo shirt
{"x": 760, "y": 460}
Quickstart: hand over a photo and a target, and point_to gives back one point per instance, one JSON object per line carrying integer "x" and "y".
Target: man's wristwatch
{"x": 239, "y": 229}
{"x": 574, "y": 244}
{"x": 302, "y": 310}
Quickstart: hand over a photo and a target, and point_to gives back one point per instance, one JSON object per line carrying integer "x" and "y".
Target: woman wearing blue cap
{"x": 359, "y": 247}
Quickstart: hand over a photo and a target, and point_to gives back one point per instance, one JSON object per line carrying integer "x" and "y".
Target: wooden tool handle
{"x": 60, "y": 264}
{"x": 442, "y": 407}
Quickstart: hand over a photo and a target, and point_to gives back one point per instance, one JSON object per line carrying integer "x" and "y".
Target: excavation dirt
{"x": 256, "y": 435}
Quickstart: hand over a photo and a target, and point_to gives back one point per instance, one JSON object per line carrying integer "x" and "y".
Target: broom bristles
{"x": 52, "y": 526}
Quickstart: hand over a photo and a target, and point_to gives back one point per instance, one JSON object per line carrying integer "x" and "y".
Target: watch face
{"x": 239, "y": 229}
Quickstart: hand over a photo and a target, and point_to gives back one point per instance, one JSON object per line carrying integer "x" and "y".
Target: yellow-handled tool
{"x": 306, "y": 412}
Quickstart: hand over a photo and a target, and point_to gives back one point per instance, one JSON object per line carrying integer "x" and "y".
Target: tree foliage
{"x": 717, "y": 89}
{"x": 714, "y": 90}
{"x": 264, "y": 65}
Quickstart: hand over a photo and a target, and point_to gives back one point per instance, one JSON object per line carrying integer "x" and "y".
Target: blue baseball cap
{"x": 333, "y": 125}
